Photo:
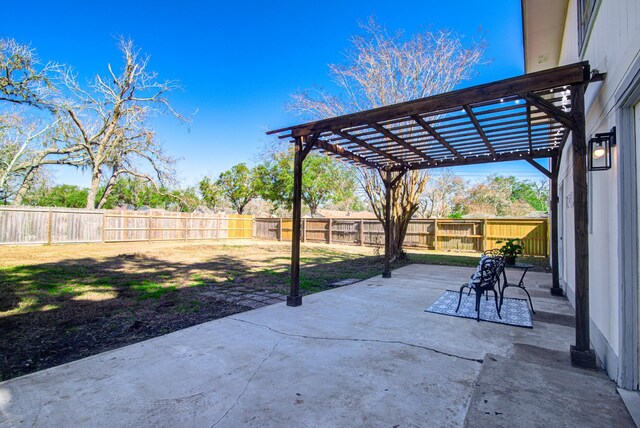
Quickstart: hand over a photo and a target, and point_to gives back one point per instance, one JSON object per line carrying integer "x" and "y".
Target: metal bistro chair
{"x": 485, "y": 278}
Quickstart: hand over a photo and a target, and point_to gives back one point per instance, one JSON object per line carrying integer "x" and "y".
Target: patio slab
{"x": 361, "y": 355}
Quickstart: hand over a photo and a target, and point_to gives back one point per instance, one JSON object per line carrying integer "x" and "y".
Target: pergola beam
{"x": 546, "y": 79}
{"x": 384, "y": 131}
{"x": 549, "y": 109}
{"x": 309, "y": 145}
{"x": 447, "y": 163}
{"x": 539, "y": 167}
{"x": 371, "y": 147}
{"x": 423, "y": 123}
{"x": 335, "y": 149}
{"x": 476, "y": 124}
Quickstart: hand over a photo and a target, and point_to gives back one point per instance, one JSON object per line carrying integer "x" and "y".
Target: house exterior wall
{"x": 612, "y": 47}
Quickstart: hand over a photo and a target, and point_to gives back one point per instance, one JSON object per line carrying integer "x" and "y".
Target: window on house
{"x": 586, "y": 15}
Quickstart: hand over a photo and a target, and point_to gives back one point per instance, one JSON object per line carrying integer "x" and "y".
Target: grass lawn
{"x": 62, "y": 303}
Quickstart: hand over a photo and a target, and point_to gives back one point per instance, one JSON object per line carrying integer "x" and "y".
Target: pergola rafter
{"x": 522, "y": 118}
{"x": 432, "y": 132}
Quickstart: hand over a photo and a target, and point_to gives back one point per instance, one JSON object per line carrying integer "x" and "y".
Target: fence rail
{"x": 438, "y": 234}
{"x": 37, "y": 225}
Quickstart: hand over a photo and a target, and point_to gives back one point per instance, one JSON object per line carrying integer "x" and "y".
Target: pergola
{"x": 522, "y": 118}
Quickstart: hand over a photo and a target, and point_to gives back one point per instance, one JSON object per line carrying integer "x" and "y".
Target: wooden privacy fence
{"x": 437, "y": 234}
{"x": 37, "y": 225}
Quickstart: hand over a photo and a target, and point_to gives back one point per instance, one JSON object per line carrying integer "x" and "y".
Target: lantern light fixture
{"x": 600, "y": 150}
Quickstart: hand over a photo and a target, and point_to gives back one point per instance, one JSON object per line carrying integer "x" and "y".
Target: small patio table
{"x": 525, "y": 267}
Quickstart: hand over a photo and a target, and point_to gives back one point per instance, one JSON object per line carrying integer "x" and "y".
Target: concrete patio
{"x": 361, "y": 355}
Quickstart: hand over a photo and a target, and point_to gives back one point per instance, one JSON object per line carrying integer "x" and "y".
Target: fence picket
{"x": 440, "y": 234}
{"x": 39, "y": 225}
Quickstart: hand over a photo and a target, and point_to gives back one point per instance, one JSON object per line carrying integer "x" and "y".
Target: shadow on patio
{"x": 361, "y": 355}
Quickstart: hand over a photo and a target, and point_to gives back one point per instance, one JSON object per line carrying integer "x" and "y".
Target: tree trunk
{"x": 109, "y": 187}
{"x": 405, "y": 201}
{"x": 22, "y": 191}
{"x": 313, "y": 208}
{"x": 93, "y": 189}
{"x": 25, "y": 186}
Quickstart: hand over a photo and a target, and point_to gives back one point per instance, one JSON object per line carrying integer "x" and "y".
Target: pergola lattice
{"x": 522, "y": 118}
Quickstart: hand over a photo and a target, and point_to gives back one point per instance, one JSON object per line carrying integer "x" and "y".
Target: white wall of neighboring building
{"x": 613, "y": 47}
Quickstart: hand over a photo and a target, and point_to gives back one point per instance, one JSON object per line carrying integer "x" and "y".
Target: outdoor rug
{"x": 513, "y": 312}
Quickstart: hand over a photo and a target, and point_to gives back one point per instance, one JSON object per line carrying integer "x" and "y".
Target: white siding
{"x": 613, "y": 46}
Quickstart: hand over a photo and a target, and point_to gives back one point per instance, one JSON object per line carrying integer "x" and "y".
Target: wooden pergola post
{"x": 302, "y": 146}
{"x": 294, "y": 298}
{"x": 387, "y": 224}
{"x": 581, "y": 353}
{"x": 556, "y": 290}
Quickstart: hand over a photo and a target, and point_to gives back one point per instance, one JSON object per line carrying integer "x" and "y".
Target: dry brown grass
{"x": 64, "y": 302}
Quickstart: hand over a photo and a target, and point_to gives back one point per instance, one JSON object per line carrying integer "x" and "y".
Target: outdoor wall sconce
{"x": 600, "y": 150}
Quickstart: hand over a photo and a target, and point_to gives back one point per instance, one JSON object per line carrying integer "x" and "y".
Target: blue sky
{"x": 239, "y": 61}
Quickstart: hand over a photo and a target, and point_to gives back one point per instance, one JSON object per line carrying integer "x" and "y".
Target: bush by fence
{"x": 438, "y": 234}
{"x": 37, "y": 225}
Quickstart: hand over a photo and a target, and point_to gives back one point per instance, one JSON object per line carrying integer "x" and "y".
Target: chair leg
{"x": 478, "y": 300}
{"x": 495, "y": 294}
{"x": 530, "y": 303}
{"x": 460, "y": 297}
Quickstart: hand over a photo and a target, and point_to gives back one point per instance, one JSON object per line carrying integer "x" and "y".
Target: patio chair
{"x": 485, "y": 279}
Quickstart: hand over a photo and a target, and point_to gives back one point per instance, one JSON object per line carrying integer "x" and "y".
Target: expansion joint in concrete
{"x": 351, "y": 339}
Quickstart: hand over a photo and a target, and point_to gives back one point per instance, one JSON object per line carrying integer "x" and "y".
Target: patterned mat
{"x": 513, "y": 312}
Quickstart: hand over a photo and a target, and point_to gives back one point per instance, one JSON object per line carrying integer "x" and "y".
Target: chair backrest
{"x": 488, "y": 272}
{"x": 493, "y": 252}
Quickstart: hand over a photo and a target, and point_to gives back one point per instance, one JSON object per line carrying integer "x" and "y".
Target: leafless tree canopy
{"x": 108, "y": 123}
{"x": 28, "y": 117}
{"x": 103, "y": 126}
{"x": 382, "y": 69}
{"x": 23, "y": 80}
{"x": 441, "y": 195}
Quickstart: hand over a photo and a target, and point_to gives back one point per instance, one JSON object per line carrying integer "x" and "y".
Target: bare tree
{"x": 441, "y": 194}
{"x": 23, "y": 80}
{"x": 110, "y": 121}
{"x": 28, "y": 118}
{"x": 382, "y": 69}
{"x": 404, "y": 202}
{"x": 26, "y": 146}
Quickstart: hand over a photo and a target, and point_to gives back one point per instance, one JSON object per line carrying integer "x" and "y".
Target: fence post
{"x": 186, "y": 226}
{"x": 330, "y": 231}
{"x": 104, "y": 226}
{"x": 304, "y": 229}
{"x": 254, "y": 227}
{"x": 149, "y": 216}
{"x": 49, "y": 225}
{"x": 435, "y": 233}
{"x": 484, "y": 234}
{"x": 362, "y": 232}
{"x": 280, "y": 229}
